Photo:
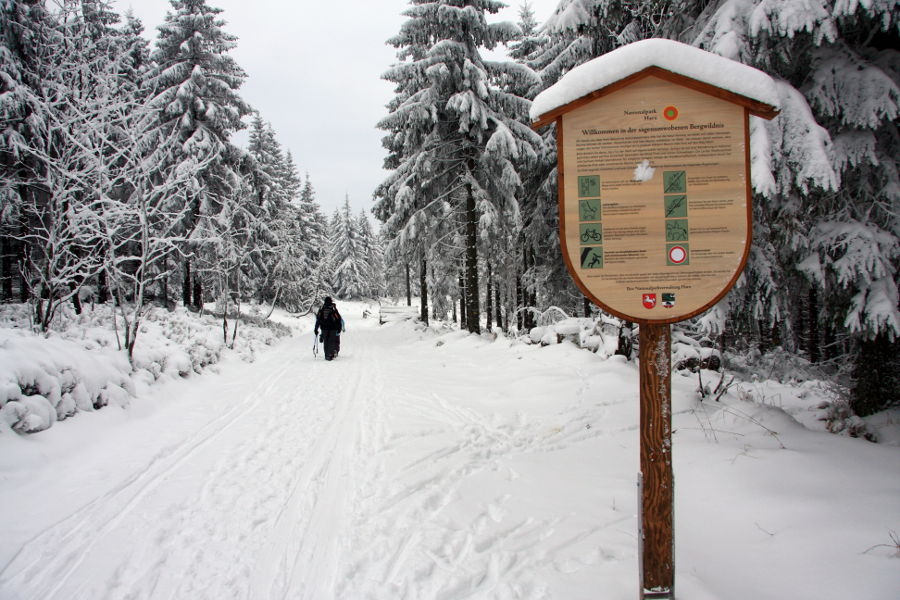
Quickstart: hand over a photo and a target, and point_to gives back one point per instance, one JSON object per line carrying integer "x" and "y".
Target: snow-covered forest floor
{"x": 423, "y": 463}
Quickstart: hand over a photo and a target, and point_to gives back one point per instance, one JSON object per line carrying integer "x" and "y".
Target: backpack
{"x": 329, "y": 317}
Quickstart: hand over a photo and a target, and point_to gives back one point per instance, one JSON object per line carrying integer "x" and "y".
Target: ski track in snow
{"x": 265, "y": 479}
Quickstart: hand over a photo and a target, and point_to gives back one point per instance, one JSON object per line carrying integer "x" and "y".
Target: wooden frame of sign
{"x": 669, "y": 245}
{"x": 655, "y": 225}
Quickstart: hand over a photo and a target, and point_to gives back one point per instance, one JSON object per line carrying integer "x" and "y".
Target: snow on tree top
{"x": 679, "y": 58}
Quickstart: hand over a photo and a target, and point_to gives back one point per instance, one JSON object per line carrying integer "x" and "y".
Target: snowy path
{"x": 249, "y": 505}
{"x": 420, "y": 467}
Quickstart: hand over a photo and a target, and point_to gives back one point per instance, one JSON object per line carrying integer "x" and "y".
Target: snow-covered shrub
{"x": 777, "y": 364}
{"x": 839, "y": 418}
{"x": 29, "y": 414}
{"x": 691, "y": 354}
{"x": 78, "y": 367}
{"x": 599, "y": 334}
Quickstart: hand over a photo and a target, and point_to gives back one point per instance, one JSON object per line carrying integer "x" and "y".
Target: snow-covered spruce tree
{"x": 194, "y": 91}
{"x": 408, "y": 219}
{"x": 373, "y": 254}
{"x": 271, "y": 198}
{"x": 351, "y": 269}
{"x": 457, "y": 132}
{"x": 578, "y": 31}
{"x": 26, "y": 29}
{"x": 314, "y": 227}
{"x": 826, "y": 176}
{"x": 294, "y": 243}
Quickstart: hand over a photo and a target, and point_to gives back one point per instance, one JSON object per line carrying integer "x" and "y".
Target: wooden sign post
{"x": 655, "y": 220}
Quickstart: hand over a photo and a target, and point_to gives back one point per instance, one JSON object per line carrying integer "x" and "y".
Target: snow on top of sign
{"x": 667, "y": 54}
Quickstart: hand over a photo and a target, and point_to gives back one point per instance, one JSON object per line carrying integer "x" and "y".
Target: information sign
{"x": 655, "y": 209}
{"x": 655, "y": 221}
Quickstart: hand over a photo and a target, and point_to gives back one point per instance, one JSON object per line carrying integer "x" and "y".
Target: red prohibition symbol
{"x": 677, "y": 254}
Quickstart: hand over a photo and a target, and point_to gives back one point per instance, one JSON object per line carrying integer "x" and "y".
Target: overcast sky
{"x": 314, "y": 71}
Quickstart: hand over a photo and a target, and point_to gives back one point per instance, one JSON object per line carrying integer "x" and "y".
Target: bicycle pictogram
{"x": 591, "y": 235}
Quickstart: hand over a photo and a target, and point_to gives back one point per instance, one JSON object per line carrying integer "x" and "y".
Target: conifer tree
{"x": 25, "y": 30}
{"x": 456, "y": 133}
{"x": 351, "y": 271}
{"x": 373, "y": 257}
{"x": 195, "y": 98}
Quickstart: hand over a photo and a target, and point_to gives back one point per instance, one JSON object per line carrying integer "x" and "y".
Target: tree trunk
{"x": 6, "y": 270}
{"x": 473, "y": 311}
{"x": 814, "y": 349}
{"x": 164, "y": 281}
{"x": 527, "y": 297}
{"x": 20, "y": 260}
{"x": 831, "y": 345}
{"x": 462, "y": 300}
{"x": 186, "y": 285}
{"x": 498, "y": 308}
{"x": 587, "y": 307}
{"x": 423, "y": 289}
{"x": 198, "y": 294}
{"x": 488, "y": 299}
{"x": 408, "y": 287}
{"x": 103, "y": 287}
{"x": 76, "y": 301}
{"x": 520, "y": 303}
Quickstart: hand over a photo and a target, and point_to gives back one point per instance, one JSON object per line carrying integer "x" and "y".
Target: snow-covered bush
{"x": 78, "y": 366}
{"x": 599, "y": 334}
{"x": 691, "y": 350}
{"x": 840, "y": 418}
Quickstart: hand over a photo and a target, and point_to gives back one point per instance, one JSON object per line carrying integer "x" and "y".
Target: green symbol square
{"x": 589, "y": 210}
{"x": 591, "y": 233}
{"x": 588, "y": 186}
{"x": 677, "y": 230}
{"x": 592, "y": 257}
{"x": 676, "y": 206}
{"x": 674, "y": 182}
{"x": 678, "y": 255}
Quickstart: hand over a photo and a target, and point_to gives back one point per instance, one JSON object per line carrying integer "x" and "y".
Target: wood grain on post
{"x": 657, "y": 492}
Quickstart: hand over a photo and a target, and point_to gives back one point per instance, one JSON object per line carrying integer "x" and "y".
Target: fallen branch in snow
{"x": 895, "y": 544}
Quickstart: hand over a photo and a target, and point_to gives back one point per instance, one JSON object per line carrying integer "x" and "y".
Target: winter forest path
{"x": 295, "y": 478}
{"x": 433, "y": 466}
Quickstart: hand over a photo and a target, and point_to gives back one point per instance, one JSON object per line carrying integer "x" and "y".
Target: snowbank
{"x": 78, "y": 366}
{"x": 666, "y": 54}
{"x": 777, "y": 379}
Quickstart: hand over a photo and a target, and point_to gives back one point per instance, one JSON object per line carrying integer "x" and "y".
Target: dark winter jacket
{"x": 328, "y": 318}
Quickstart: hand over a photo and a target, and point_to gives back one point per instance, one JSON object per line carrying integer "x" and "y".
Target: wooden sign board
{"x": 655, "y": 210}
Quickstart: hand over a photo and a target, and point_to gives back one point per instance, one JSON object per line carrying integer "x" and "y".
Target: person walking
{"x": 330, "y": 322}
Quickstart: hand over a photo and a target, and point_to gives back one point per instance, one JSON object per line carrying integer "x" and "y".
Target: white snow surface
{"x": 429, "y": 463}
{"x": 667, "y": 54}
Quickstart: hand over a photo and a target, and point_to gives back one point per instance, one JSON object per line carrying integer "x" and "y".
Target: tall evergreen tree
{"x": 826, "y": 171}
{"x": 373, "y": 256}
{"x": 195, "y": 97}
{"x": 351, "y": 269}
{"x": 455, "y": 132}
